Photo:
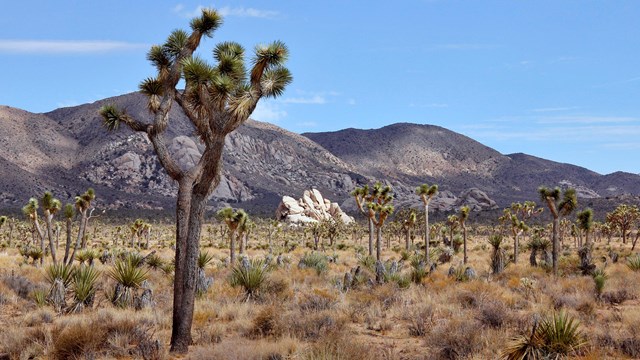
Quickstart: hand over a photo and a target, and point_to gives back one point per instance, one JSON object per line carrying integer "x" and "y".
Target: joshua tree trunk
{"x": 555, "y": 244}
{"x": 378, "y": 243}
{"x": 52, "y": 245}
{"x": 68, "y": 243}
{"x": 83, "y": 223}
{"x": 407, "y": 239}
{"x": 371, "y": 229}
{"x": 426, "y": 233}
{"x": 533, "y": 257}
{"x": 464, "y": 240}
{"x": 242, "y": 238}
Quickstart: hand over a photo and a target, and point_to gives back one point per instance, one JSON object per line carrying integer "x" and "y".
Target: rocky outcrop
{"x": 311, "y": 208}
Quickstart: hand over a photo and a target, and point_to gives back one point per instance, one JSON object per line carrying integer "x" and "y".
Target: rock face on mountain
{"x": 312, "y": 207}
{"x": 67, "y": 151}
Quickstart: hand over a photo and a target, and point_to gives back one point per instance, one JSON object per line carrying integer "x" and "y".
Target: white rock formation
{"x": 312, "y": 207}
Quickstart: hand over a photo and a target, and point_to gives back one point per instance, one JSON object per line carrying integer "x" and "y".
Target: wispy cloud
{"x": 554, "y": 109}
{"x": 622, "y": 146}
{"x": 66, "y": 46}
{"x": 316, "y": 99}
{"x": 228, "y": 11}
{"x": 268, "y": 111}
{"x": 586, "y": 120}
{"x": 618, "y": 82}
{"x": 560, "y": 133}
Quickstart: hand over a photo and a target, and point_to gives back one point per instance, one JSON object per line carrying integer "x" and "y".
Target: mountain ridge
{"x": 263, "y": 162}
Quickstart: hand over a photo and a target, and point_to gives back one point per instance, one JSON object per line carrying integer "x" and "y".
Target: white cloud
{"x": 227, "y": 11}
{"x": 269, "y": 112}
{"x": 66, "y": 46}
{"x": 316, "y": 99}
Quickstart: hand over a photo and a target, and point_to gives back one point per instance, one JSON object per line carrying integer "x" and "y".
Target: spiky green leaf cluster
{"x": 251, "y": 278}
{"x": 204, "y": 258}
{"x": 126, "y": 273}
{"x": 62, "y": 272}
{"x": 31, "y": 208}
{"x": 110, "y": 117}
{"x": 207, "y": 23}
{"x": 85, "y": 284}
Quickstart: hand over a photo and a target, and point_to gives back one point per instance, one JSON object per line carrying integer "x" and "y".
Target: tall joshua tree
{"x": 68, "y": 216}
{"x": 50, "y": 206}
{"x": 217, "y": 99}
{"x": 363, "y": 197}
{"x": 380, "y": 208}
{"x": 83, "y": 205}
{"x": 426, "y": 193}
{"x": 558, "y": 207}
{"x": 464, "y": 215}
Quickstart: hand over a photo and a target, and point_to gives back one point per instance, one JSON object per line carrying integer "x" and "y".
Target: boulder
{"x": 311, "y": 208}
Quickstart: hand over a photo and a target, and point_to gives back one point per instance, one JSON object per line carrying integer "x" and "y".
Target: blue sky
{"x": 554, "y": 79}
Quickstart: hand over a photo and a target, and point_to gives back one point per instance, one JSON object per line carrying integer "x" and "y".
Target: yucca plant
{"x": 633, "y": 262}
{"x": 367, "y": 261}
{"x": 135, "y": 258}
{"x": 59, "y": 277}
{"x": 554, "y": 337}
{"x": 84, "y": 287}
{"x": 251, "y": 277}
{"x": 599, "y": 279}
{"x": 40, "y": 297}
{"x": 314, "y": 260}
{"x": 204, "y": 259}
{"x": 86, "y": 256}
{"x": 154, "y": 261}
{"x": 128, "y": 277}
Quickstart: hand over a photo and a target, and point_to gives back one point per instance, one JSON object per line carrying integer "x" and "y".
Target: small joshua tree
{"x": 558, "y": 207}
{"x": 363, "y": 197}
{"x": 234, "y": 220}
{"x": 83, "y": 206}
{"x": 31, "y": 211}
{"x": 426, "y": 193}
{"x": 50, "y": 206}
{"x": 379, "y": 209}
{"x": 498, "y": 258}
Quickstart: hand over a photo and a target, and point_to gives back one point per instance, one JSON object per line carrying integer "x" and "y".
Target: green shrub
{"x": 314, "y": 260}
{"x": 251, "y": 278}
{"x": 633, "y": 262}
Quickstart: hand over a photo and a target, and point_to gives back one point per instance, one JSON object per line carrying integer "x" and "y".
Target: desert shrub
{"x": 421, "y": 320}
{"x": 266, "y": 323}
{"x": 312, "y": 326}
{"x": 61, "y": 272}
{"x": 128, "y": 277}
{"x": 456, "y": 339}
{"x": 314, "y": 260}
{"x": 42, "y": 316}
{"x": 317, "y": 300}
{"x": 599, "y": 280}
{"x": 617, "y": 297}
{"x": 493, "y": 314}
{"x": 86, "y": 256}
{"x": 22, "y": 286}
{"x": 368, "y": 262}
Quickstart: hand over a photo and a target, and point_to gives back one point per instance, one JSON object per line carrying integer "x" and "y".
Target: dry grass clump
{"x": 24, "y": 343}
{"x": 244, "y": 349}
{"x": 455, "y": 338}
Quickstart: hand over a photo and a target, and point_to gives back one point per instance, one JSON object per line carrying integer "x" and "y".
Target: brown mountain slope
{"x": 67, "y": 150}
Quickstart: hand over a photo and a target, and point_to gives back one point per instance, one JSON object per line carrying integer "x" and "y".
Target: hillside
{"x": 67, "y": 150}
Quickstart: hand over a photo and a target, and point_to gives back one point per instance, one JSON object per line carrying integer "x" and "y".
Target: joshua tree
{"x": 83, "y": 205}
{"x": 217, "y": 99}
{"x": 363, "y": 197}
{"x": 558, "y": 207}
{"x": 623, "y": 218}
{"x": 31, "y": 210}
{"x": 407, "y": 227}
{"x": 379, "y": 209}
{"x": 243, "y": 232}
{"x": 464, "y": 215}
{"x": 426, "y": 193}
{"x": 585, "y": 224}
{"x": 3, "y": 220}
{"x": 453, "y": 221}
{"x": 50, "y": 206}
{"x": 234, "y": 220}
